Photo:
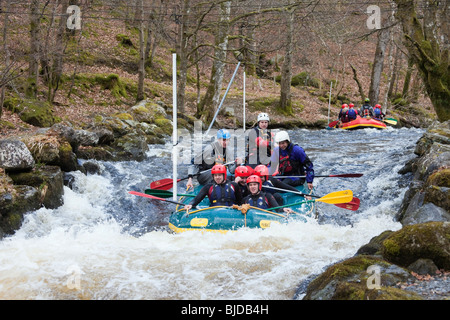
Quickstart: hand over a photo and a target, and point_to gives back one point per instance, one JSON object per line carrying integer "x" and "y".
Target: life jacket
{"x": 259, "y": 200}
{"x": 287, "y": 166}
{"x": 269, "y": 184}
{"x": 377, "y": 113}
{"x": 222, "y": 194}
{"x": 254, "y": 158}
{"x": 351, "y": 114}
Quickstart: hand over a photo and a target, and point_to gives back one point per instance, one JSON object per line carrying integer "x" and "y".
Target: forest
{"x": 68, "y": 53}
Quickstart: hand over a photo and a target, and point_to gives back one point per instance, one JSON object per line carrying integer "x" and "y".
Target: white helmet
{"x": 282, "y": 136}
{"x": 263, "y": 117}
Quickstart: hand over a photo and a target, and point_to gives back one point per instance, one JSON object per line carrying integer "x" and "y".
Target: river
{"x": 104, "y": 243}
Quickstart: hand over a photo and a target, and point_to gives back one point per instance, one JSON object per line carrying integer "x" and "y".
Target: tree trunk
{"x": 208, "y": 105}
{"x": 431, "y": 57}
{"x": 407, "y": 81}
{"x": 6, "y": 53}
{"x": 182, "y": 55}
{"x": 355, "y": 77}
{"x": 33, "y": 70}
{"x": 377, "y": 68}
{"x": 286, "y": 69}
{"x": 141, "y": 66}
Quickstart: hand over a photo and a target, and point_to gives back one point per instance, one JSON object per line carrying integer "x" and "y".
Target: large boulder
{"x": 15, "y": 156}
{"x": 35, "y": 112}
{"x": 354, "y": 279}
{"x": 48, "y": 180}
{"x": 429, "y": 240}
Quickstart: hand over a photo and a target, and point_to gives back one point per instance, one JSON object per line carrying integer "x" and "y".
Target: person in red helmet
{"x": 343, "y": 113}
{"x": 351, "y": 113}
{"x": 267, "y": 182}
{"x": 261, "y": 199}
{"x": 221, "y": 192}
{"x": 241, "y": 174}
{"x": 378, "y": 113}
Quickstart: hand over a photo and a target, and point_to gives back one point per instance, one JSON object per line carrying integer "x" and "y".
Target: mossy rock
{"x": 349, "y": 279}
{"x": 430, "y": 240}
{"x": 48, "y": 180}
{"x": 113, "y": 83}
{"x": 34, "y": 112}
{"x": 165, "y": 125}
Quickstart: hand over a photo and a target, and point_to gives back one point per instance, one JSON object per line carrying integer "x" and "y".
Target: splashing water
{"x": 106, "y": 244}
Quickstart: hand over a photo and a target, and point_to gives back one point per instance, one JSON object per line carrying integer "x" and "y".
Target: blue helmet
{"x": 223, "y": 134}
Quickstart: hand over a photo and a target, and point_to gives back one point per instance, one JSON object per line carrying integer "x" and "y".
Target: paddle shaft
{"x": 344, "y": 175}
{"x": 153, "y": 197}
{"x": 159, "y": 184}
{"x": 284, "y": 190}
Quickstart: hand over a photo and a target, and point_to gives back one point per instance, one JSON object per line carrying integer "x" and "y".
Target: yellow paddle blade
{"x": 393, "y": 122}
{"x": 337, "y": 197}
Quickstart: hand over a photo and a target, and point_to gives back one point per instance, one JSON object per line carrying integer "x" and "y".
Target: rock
{"x": 14, "y": 205}
{"x": 423, "y": 266}
{"x": 35, "y": 112}
{"x": 418, "y": 213}
{"x": 374, "y": 245}
{"x": 430, "y": 240}
{"x": 48, "y": 180}
{"x": 92, "y": 167}
{"x": 131, "y": 147}
{"x": 353, "y": 279}
{"x": 15, "y": 156}
{"x": 52, "y": 150}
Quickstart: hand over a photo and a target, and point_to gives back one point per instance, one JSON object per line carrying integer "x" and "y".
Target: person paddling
{"x": 261, "y": 199}
{"x": 267, "y": 181}
{"x": 221, "y": 192}
{"x": 289, "y": 159}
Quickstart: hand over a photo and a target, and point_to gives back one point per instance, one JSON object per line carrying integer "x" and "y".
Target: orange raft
{"x": 362, "y": 123}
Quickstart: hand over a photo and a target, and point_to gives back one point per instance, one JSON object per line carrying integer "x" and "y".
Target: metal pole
{"x": 223, "y": 99}
{"x": 244, "y": 101}
{"x": 175, "y": 133}
{"x": 329, "y": 102}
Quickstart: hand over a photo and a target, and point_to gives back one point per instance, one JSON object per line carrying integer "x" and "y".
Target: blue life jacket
{"x": 351, "y": 113}
{"x": 259, "y": 201}
{"x": 222, "y": 194}
{"x": 377, "y": 113}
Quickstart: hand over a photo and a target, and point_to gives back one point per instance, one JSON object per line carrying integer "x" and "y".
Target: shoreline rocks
{"x": 421, "y": 245}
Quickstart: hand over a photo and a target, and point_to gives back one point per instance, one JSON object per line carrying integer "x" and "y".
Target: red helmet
{"x": 261, "y": 170}
{"x": 344, "y": 106}
{"x": 242, "y": 171}
{"x": 255, "y": 179}
{"x": 377, "y": 106}
{"x": 351, "y": 105}
{"x": 219, "y": 168}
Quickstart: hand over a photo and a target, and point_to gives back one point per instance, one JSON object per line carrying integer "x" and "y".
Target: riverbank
{"x": 410, "y": 263}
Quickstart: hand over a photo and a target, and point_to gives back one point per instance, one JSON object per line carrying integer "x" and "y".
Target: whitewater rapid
{"x": 106, "y": 244}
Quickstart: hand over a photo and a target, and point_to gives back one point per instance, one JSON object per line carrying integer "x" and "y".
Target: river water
{"x": 104, "y": 243}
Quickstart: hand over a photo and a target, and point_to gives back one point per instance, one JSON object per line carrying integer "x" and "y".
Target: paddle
{"x": 153, "y": 197}
{"x": 352, "y": 205}
{"x": 166, "y": 184}
{"x": 332, "y": 198}
{"x": 333, "y": 124}
{"x": 390, "y": 121}
{"x": 344, "y": 175}
{"x": 165, "y": 194}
